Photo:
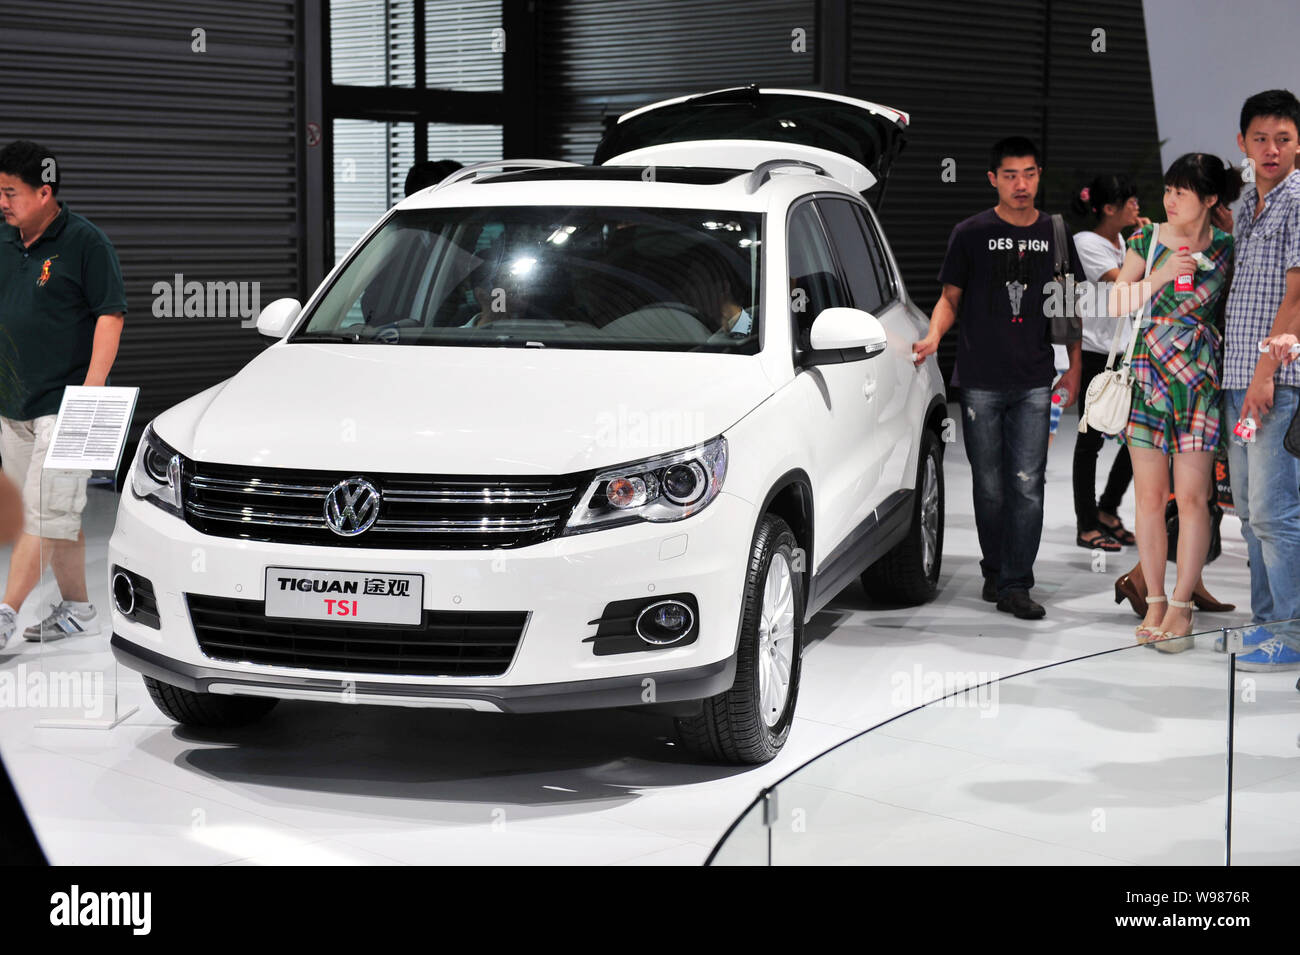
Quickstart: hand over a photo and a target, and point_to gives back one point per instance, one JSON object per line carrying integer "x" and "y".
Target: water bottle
{"x": 1059, "y": 397}
{"x": 1183, "y": 283}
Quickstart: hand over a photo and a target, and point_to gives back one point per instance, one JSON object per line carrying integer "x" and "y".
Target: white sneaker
{"x": 8, "y": 624}
{"x": 64, "y": 621}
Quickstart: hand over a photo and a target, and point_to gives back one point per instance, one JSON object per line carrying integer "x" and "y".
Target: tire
{"x": 909, "y": 573}
{"x": 731, "y": 727}
{"x": 207, "y": 710}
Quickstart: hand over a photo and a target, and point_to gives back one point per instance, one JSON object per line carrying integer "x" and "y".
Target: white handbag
{"x": 1109, "y": 400}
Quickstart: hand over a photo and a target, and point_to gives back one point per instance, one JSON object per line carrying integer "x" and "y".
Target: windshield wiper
{"x": 353, "y": 339}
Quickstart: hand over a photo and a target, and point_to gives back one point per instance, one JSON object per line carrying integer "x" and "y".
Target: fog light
{"x": 665, "y": 622}
{"x": 123, "y": 594}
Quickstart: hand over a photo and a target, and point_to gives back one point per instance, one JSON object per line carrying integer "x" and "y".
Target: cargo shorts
{"x": 52, "y": 503}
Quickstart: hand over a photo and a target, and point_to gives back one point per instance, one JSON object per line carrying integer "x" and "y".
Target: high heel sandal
{"x": 1206, "y": 602}
{"x": 1166, "y": 641}
{"x": 1132, "y": 588}
{"x": 1151, "y": 631}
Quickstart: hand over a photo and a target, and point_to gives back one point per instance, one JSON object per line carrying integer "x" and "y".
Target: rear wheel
{"x": 909, "y": 573}
{"x": 750, "y": 722}
{"x": 208, "y": 710}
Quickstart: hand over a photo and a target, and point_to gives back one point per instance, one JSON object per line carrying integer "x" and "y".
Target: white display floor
{"x": 320, "y": 783}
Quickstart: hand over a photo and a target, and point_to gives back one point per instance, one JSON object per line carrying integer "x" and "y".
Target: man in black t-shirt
{"x": 996, "y": 275}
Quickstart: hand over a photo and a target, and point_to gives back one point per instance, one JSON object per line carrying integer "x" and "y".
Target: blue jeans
{"x": 1266, "y": 496}
{"x": 1005, "y": 433}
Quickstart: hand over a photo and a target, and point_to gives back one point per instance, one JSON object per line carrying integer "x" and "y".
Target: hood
{"x": 865, "y": 136}
{"x": 442, "y": 410}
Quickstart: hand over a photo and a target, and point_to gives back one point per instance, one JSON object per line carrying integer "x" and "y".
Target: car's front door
{"x": 841, "y": 407}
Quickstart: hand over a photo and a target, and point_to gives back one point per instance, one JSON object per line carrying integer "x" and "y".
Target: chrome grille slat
{"x": 258, "y": 486}
{"x": 416, "y": 511}
{"x": 472, "y": 497}
{"x": 462, "y": 527}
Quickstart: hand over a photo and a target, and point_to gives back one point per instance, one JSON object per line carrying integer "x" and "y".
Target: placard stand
{"x": 78, "y": 678}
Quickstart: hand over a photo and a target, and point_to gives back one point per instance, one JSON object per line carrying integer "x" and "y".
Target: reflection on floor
{"x": 1114, "y": 761}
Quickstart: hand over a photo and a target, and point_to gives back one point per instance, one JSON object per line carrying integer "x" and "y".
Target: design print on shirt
{"x": 1016, "y": 292}
{"x": 1014, "y": 269}
{"x": 45, "y": 271}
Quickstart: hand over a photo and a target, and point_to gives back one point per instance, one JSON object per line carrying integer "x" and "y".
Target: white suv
{"x": 557, "y": 436}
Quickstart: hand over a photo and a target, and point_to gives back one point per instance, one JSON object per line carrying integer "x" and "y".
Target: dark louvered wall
{"x": 599, "y": 58}
{"x": 188, "y": 161}
{"x": 1101, "y": 115}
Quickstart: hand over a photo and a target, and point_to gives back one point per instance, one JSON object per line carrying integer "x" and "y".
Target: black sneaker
{"x": 1019, "y": 603}
{"x": 990, "y": 590}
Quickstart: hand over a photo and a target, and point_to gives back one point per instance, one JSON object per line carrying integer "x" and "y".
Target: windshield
{"x": 544, "y": 276}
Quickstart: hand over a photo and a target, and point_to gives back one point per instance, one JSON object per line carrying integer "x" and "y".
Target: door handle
{"x": 869, "y": 388}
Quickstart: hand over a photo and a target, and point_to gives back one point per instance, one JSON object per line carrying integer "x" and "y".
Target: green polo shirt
{"x": 51, "y": 296}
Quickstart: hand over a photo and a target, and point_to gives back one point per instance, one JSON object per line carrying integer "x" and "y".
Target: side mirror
{"x": 848, "y": 333}
{"x": 277, "y": 318}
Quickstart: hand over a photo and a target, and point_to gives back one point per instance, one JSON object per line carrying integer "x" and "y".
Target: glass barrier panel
{"x": 746, "y": 843}
{"x": 1114, "y": 758}
{"x": 1265, "y": 761}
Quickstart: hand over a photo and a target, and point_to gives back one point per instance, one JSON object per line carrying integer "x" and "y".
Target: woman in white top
{"x": 1112, "y": 202}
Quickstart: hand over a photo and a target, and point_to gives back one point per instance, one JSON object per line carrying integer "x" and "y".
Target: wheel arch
{"x": 791, "y": 499}
{"x": 935, "y": 416}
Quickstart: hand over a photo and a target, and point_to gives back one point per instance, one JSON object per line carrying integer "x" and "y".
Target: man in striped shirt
{"x": 1263, "y": 304}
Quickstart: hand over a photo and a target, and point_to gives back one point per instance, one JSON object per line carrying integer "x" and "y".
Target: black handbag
{"x": 1171, "y": 529}
{"x": 1065, "y": 325}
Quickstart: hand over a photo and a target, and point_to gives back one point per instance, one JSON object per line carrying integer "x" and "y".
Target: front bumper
{"x": 670, "y": 686}
{"x": 563, "y": 584}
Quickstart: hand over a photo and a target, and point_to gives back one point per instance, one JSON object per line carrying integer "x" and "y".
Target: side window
{"x": 855, "y": 258}
{"x": 888, "y": 289}
{"x": 814, "y": 280}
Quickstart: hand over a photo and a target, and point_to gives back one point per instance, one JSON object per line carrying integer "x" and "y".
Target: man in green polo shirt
{"x": 61, "y": 311}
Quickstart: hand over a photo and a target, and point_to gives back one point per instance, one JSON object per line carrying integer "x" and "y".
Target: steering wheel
{"x": 391, "y": 333}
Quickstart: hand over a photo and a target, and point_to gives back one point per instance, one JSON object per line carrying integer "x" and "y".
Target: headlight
{"x": 156, "y": 473}
{"x": 666, "y": 488}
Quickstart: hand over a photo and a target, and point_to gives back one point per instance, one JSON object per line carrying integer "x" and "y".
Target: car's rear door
{"x": 854, "y": 140}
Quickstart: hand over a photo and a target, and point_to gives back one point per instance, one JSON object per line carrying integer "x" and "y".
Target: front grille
{"x": 416, "y": 512}
{"x": 445, "y": 643}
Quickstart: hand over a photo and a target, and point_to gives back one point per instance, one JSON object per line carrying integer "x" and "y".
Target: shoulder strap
{"x": 1146, "y": 308}
{"x": 1061, "y": 248}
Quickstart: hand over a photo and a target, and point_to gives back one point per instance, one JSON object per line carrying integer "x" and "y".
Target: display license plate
{"x": 344, "y": 595}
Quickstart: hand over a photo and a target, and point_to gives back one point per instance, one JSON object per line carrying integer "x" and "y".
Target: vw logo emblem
{"x": 351, "y": 506}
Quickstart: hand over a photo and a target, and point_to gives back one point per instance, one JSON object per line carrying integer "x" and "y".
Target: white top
{"x": 1098, "y": 257}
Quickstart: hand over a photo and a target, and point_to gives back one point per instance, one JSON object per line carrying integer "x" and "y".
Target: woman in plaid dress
{"x": 1175, "y": 410}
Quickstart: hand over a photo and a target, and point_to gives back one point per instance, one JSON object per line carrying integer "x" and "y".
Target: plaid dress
{"x": 1176, "y": 356}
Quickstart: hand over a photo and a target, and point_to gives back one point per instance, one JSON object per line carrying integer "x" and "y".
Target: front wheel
{"x": 909, "y": 573}
{"x": 750, "y": 722}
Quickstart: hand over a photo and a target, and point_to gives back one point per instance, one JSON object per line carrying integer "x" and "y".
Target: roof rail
{"x": 763, "y": 171}
{"x": 472, "y": 170}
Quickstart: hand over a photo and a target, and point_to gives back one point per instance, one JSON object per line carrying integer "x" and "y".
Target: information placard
{"x": 91, "y": 428}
